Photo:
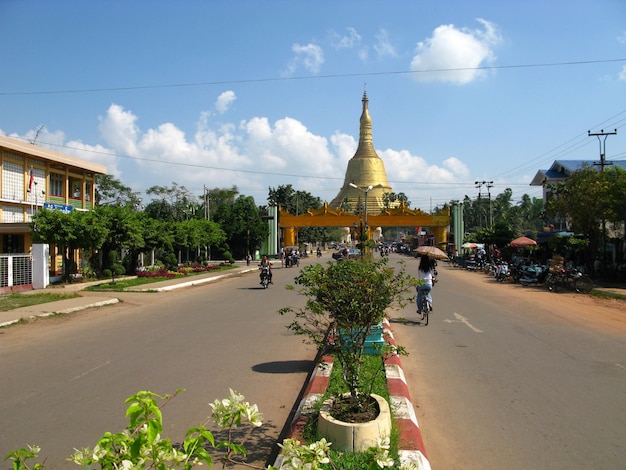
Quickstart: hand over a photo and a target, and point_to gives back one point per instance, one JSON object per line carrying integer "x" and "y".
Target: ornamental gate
{"x": 401, "y": 216}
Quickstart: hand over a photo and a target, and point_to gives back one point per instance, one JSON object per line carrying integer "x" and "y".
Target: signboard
{"x": 58, "y": 207}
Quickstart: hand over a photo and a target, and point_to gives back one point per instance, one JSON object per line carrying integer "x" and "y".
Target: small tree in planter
{"x": 115, "y": 267}
{"x": 345, "y": 301}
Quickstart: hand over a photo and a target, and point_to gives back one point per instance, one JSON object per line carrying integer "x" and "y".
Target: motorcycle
{"x": 502, "y": 271}
{"x": 265, "y": 276}
{"x": 533, "y": 274}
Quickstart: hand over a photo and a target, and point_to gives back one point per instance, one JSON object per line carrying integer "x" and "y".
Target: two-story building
{"x": 559, "y": 171}
{"x": 32, "y": 177}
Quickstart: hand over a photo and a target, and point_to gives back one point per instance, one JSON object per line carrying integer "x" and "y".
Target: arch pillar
{"x": 289, "y": 235}
{"x": 441, "y": 235}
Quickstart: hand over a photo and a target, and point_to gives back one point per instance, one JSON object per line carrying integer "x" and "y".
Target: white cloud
{"x": 224, "y": 101}
{"x": 455, "y": 55}
{"x": 622, "y": 74}
{"x": 118, "y": 128}
{"x": 349, "y": 41}
{"x": 383, "y": 46}
{"x": 310, "y": 56}
{"x": 253, "y": 154}
{"x": 402, "y": 166}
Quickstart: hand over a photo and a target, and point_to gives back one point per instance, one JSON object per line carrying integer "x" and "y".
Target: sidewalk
{"x": 81, "y": 303}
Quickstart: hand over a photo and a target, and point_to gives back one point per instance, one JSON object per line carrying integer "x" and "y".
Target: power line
{"x": 575, "y": 143}
{"x": 317, "y": 77}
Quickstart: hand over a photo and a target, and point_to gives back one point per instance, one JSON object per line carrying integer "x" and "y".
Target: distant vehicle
{"x": 353, "y": 253}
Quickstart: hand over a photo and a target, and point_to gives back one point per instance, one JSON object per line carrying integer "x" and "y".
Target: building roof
{"x": 562, "y": 169}
{"x": 51, "y": 155}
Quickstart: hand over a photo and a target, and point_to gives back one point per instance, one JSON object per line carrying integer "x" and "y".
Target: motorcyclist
{"x": 265, "y": 263}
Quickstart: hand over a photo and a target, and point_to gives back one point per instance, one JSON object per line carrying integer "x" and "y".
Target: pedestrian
{"x": 248, "y": 259}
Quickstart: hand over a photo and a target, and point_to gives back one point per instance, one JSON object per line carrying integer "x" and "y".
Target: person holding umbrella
{"x": 426, "y": 273}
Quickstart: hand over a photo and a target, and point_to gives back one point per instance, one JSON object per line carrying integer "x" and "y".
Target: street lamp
{"x": 366, "y": 191}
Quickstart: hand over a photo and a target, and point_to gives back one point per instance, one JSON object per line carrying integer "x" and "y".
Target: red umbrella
{"x": 523, "y": 241}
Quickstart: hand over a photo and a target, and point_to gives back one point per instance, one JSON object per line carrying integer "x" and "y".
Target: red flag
{"x": 30, "y": 182}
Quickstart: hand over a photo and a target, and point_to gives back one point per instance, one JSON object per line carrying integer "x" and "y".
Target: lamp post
{"x": 366, "y": 191}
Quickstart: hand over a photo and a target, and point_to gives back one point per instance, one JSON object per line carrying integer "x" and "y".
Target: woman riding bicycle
{"x": 427, "y": 274}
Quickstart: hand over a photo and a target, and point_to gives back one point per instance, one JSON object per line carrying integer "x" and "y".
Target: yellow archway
{"x": 401, "y": 216}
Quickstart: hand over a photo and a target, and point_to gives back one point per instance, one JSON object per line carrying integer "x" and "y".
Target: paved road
{"x": 64, "y": 380}
{"x": 503, "y": 377}
{"x": 507, "y": 377}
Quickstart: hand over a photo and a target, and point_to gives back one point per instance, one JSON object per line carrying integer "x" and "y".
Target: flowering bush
{"x": 159, "y": 272}
{"x": 198, "y": 268}
{"x": 141, "y": 445}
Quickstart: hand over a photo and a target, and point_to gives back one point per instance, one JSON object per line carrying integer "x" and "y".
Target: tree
{"x": 175, "y": 204}
{"x": 110, "y": 191}
{"x": 587, "y": 200}
{"x": 125, "y": 232}
{"x": 298, "y": 202}
{"x": 242, "y": 224}
{"x": 195, "y": 233}
{"x": 344, "y": 302}
{"x": 68, "y": 232}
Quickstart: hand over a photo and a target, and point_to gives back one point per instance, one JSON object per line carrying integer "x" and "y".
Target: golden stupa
{"x": 365, "y": 170}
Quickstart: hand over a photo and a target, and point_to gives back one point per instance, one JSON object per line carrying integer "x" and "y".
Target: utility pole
{"x": 488, "y": 185}
{"x": 602, "y": 143}
{"x": 479, "y": 185}
{"x": 602, "y": 164}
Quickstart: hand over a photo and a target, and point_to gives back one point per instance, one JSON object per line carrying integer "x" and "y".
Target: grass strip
{"x": 17, "y": 300}
{"x": 374, "y": 376}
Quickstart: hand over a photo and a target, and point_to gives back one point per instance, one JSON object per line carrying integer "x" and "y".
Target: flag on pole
{"x": 30, "y": 181}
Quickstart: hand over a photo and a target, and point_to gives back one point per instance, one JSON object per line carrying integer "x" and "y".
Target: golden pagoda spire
{"x": 365, "y": 169}
{"x": 366, "y": 144}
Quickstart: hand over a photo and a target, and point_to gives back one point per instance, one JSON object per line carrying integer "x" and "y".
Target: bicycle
{"x": 424, "y": 309}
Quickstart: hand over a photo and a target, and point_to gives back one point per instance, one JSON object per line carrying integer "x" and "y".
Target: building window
{"x": 76, "y": 189}
{"x": 12, "y": 214}
{"x": 13, "y": 243}
{"x": 36, "y": 185}
{"x": 12, "y": 181}
{"x": 88, "y": 191}
{"x": 56, "y": 184}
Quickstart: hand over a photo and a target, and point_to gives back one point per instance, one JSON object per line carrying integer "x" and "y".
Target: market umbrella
{"x": 469, "y": 245}
{"x": 431, "y": 251}
{"x": 523, "y": 241}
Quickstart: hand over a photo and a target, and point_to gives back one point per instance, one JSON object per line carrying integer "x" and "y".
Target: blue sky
{"x": 259, "y": 94}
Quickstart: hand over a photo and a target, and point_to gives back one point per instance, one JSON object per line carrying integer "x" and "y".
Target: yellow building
{"x": 32, "y": 177}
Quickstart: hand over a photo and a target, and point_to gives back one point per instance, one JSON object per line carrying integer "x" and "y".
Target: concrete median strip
{"x": 411, "y": 446}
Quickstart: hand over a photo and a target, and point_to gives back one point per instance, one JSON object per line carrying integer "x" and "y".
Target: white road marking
{"x": 462, "y": 319}
{"x": 90, "y": 371}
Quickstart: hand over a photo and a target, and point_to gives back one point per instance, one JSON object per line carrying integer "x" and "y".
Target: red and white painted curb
{"x": 411, "y": 446}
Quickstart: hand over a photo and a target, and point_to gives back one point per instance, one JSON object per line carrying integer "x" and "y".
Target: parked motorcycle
{"x": 502, "y": 271}
{"x": 533, "y": 274}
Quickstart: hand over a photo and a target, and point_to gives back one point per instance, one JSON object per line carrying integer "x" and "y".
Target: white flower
{"x": 383, "y": 460}
{"x": 383, "y": 443}
{"x": 409, "y": 466}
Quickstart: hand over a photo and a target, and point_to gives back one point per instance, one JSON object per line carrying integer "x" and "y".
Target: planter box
{"x": 355, "y": 437}
{"x": 374, "y": 341}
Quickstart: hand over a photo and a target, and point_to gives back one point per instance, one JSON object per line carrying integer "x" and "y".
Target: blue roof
{"x": 561, "y": 169}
